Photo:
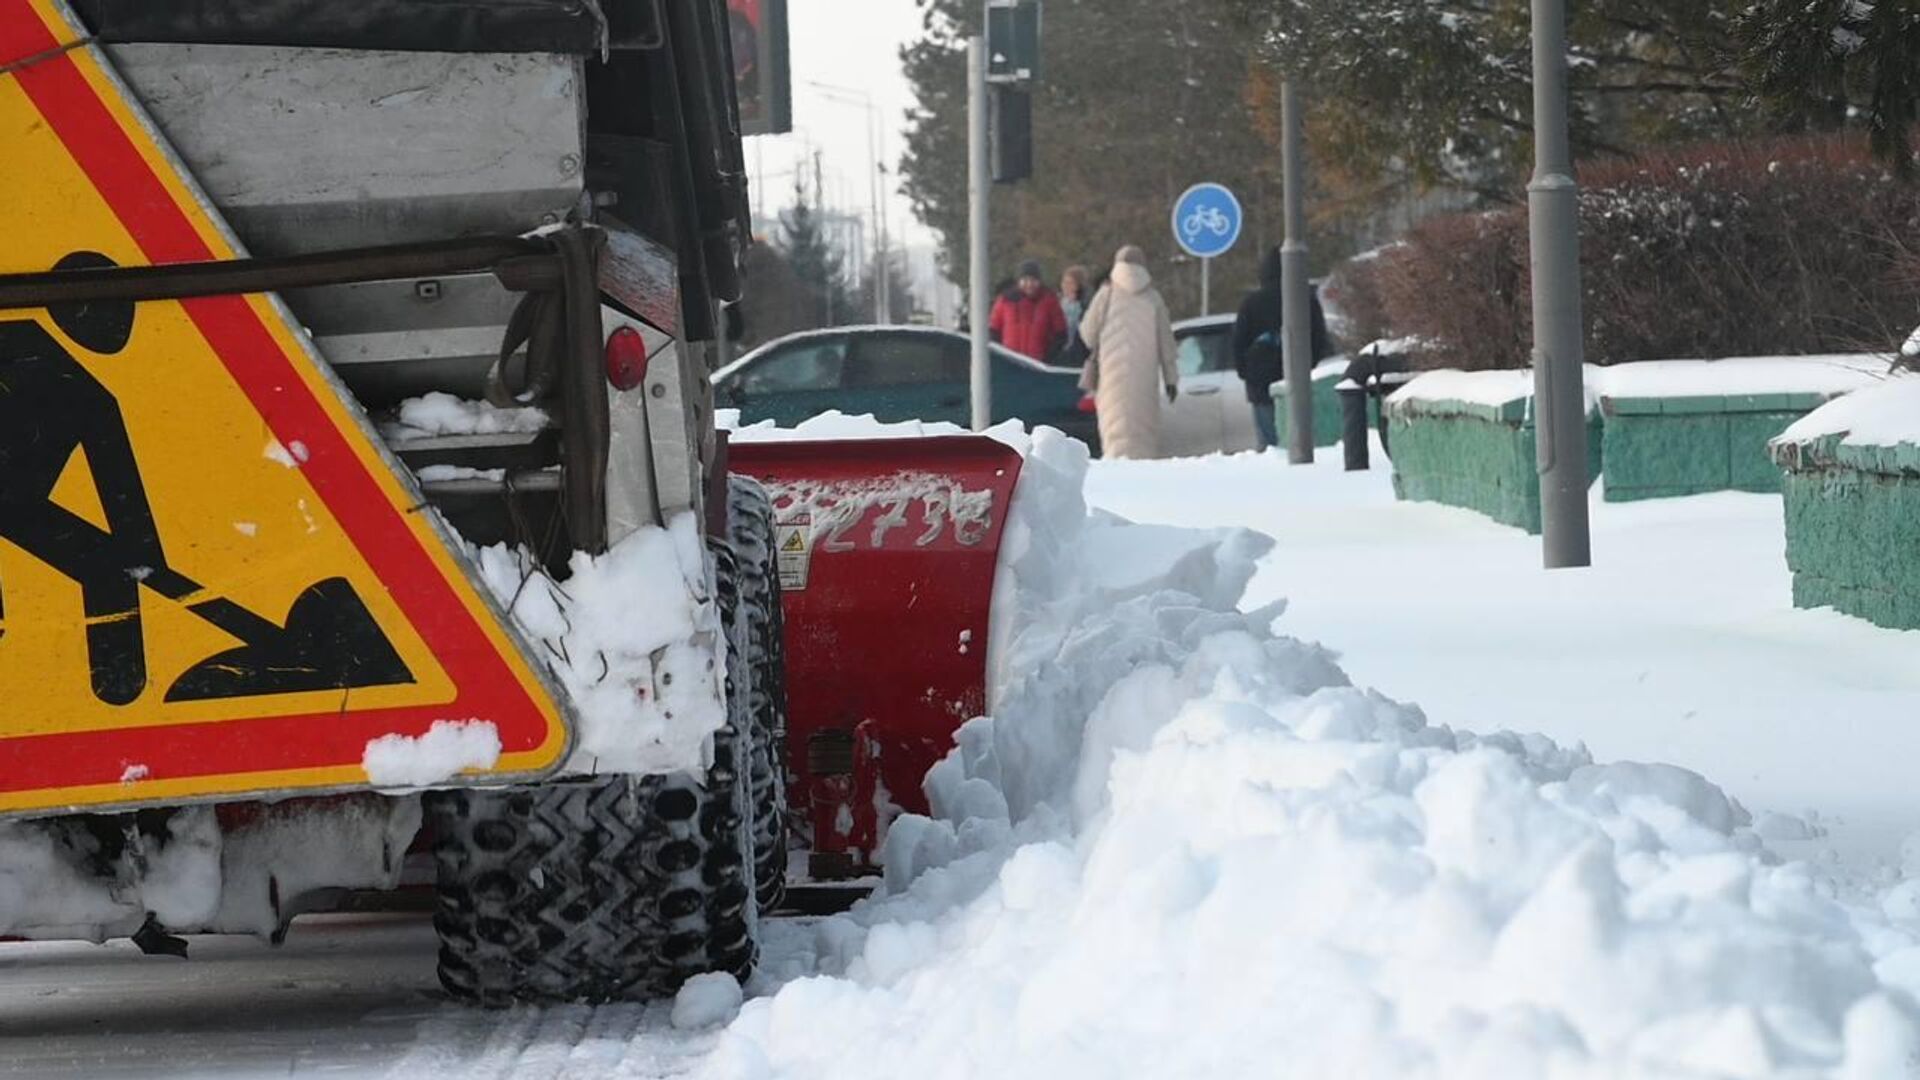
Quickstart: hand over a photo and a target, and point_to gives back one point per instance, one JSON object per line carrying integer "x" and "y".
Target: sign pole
{"x": 1206, "y": 286}
{"x": 978, "y": 282}
{"x": 1560, "y": 405}
{"x": 1296, "y": 302}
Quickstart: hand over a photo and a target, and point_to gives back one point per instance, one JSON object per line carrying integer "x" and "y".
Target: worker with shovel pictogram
{"x": 52, "y": 407}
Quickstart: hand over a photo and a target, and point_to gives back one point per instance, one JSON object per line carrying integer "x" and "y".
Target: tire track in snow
{"x": 569, "y": 1042}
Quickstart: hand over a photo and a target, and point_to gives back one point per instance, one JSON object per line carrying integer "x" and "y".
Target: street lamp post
{"x": 978, "y": 182}
{"x": 876, "y": 178}
{"x": 1296, "y": 312}
{"x": 1559, "y": 396}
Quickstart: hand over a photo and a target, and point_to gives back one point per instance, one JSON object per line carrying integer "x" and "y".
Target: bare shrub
{"x": 1752, "y": 248}
{"x": 1353, "y": 291}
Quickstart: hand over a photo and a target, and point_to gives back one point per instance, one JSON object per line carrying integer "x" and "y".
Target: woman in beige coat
{"x": 1130, "y": 334}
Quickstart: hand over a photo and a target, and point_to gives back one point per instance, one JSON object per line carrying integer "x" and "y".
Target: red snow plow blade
{"x": 886, "y": 551}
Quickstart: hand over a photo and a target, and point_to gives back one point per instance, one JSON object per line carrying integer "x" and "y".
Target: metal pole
{"x": 1296, "y": 304}
{"x": 887, "y": 314}
{"x": 886, "y": 238}
{"x": 820, "y": 226}
{"x": 873, "y": 181}
{"x": 977, "y": 221}
{"x": 1206, "y": 286}
{"x": 1560, "y": 404}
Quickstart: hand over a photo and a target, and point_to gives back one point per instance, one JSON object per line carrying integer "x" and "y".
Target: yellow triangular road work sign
{"x": 251, "y": 596}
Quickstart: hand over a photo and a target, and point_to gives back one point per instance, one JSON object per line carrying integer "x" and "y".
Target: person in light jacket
{"x": 1130, "y": 333}
{"x": 1074, "y": 295}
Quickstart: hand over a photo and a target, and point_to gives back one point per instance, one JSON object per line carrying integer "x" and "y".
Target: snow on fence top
{"x": 1877, "y": 429}
{"x": 1494, "y": 395}
{"x": 1744, "y": 375}
{"x": 1503, "y": 392}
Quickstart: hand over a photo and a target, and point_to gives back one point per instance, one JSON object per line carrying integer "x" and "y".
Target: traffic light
{"x": 1010, "y": 134}
{"x": 1013, "y": 41}
{"x": 1013, "y": 62}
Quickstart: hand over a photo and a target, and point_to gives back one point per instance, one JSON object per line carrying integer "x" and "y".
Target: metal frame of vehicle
{"x": 237, "y": 96}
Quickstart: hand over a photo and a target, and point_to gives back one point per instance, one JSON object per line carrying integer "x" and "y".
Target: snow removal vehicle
{"x": 364, "y": 525}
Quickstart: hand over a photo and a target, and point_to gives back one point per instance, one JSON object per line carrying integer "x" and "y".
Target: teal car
{"x": 896, "y": 373}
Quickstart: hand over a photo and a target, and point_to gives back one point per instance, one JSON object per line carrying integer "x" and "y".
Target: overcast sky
{"x": 845, "y": 43}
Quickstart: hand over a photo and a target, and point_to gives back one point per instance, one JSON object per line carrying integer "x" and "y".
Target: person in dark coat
{"x": 1257, "y": 348}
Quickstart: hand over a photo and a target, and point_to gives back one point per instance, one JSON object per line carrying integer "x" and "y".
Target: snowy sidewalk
{"x": 1680, "y": 645}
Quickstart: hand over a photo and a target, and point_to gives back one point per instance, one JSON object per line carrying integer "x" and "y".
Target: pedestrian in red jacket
{"x": 1029, "y": 320}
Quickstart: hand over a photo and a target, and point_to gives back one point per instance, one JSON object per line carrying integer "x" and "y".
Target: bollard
{"x": 1353, "y": 424}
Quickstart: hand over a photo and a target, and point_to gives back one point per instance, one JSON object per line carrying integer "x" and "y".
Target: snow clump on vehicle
{"x": 634, "y": 636}
{"x": 447, "y": 749}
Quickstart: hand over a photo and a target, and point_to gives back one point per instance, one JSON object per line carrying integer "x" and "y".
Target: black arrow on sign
{"x": 330, "y": 642}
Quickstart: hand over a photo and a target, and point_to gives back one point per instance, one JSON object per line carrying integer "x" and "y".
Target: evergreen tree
{"x": 1441, "y": 92}
{"x": 774, "y": 302}
{"x": 814, "y": 263}
{"x": 1822, "y": 63}
{"x": 900, "y": 297}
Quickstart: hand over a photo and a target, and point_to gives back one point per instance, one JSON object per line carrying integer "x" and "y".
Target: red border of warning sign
{"x": 306, "y": 752}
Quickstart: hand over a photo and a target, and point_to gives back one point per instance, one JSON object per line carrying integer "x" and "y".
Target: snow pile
{"x": 449, "y": 748}
{"x": 1182, "y": 846}
{"x": 634, "y": 638}
{"x": 1887, "y": 415}
{"x": 440, "y": 414}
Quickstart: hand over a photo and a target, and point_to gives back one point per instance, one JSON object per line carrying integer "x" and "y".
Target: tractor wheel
{"x": 751, "y": 534}
{"x": 600, "y": 889}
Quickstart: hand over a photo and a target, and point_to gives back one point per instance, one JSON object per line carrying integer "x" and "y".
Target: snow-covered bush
{"x": 1746, "y": 249}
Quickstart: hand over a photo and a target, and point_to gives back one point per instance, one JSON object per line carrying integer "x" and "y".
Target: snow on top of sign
{"x": 447, "y": 749}
{"x": 441, "y": 414}
{"x": 1885, "y": 415}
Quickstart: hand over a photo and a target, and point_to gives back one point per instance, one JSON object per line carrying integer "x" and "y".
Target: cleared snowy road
{"x": 346, "y": 996}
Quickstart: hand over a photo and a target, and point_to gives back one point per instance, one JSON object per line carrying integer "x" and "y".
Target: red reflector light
{"x": 1086, "y": 403}
{"x": 626, "y": 358}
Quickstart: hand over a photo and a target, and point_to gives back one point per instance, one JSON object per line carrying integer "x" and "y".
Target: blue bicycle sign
{"x": 1206, "y": 221}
